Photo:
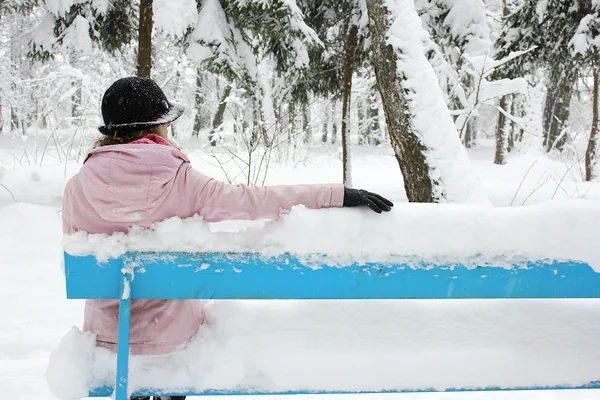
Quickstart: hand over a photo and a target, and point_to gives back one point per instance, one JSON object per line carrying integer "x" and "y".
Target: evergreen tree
{"x": 548, "y": 25}
{"x": 457, "y": 28}
{"x": 586, "y": 48}
{"x": 433, "y": 162}
{"x": 334, "y": 60}
{"x": 245, "y": 34}
{"x": 111, "y": 25}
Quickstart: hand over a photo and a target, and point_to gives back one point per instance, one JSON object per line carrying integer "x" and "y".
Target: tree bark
{"x": 547, "y": 114}
{"x": 375, "y": 129}
{"x": 560, "y": 115}
{"x": 306, "y": 124}
{"x": 219, "y": 116}
{"x": 515, "y": 130}
{"x": 363, "y": 132}
{"x": 502, "y": 132}
{"x": 556, "y": 109}
{"x": 14, "y": 119}
{"x": 407, "y": 147}
{"x": 201, "y": 118}
{"x": 291, "y": 128}
{"x": 144, "y": 62}
{"x": 351, "y": 44}
{"x": 591, "y": 154}
{"x": 334, "y": 126}
{"x": 325, "y": 128}
{"x": 76, "y": 103}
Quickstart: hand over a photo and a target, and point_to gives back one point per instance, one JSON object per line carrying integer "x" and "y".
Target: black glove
{"x": 359, "y": 197}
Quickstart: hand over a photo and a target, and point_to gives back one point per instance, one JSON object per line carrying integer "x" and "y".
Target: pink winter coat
{"x": 147, "y": 181}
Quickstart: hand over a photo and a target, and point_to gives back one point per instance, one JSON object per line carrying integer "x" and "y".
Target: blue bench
{"x": 144, "y": 275}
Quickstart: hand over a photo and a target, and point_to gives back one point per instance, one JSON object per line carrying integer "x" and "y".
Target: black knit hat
{"x": 133, "y": 104}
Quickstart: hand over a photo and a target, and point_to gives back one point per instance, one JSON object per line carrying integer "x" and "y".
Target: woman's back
{"x": 136, "y": 177}
{"x": 118, "y": 186}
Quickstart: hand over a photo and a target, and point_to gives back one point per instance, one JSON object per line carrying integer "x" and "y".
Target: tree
{"x": 547, "y": 25}
{"x": 433, "y": 162}
{"x": 458, "y": 28}
{"x": 586, "y": 49}
{"x": 201, "y": 120}
{"x": 503, "y": 122}
{"x": 110, "y": 25}
{"x": 351, "y": 44}
{"x": 244, "y": 34}
{"x": 334, "y": 60}
{"x": 144, "y": 61}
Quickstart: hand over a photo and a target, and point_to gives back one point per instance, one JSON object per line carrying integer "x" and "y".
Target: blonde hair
{"x": 109, "y": 140}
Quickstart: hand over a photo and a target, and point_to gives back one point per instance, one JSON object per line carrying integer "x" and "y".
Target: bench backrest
{"x": 253, "y": 276}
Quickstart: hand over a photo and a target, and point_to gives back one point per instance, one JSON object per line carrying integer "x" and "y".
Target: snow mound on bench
{"x": 357, "y": 345}
{"x": 559, "y": 230}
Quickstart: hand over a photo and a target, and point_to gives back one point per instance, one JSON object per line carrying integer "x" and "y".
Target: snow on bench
{"x": 121, "y": 267}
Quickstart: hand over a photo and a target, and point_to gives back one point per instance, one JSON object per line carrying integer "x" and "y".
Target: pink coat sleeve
{"x": 218, "y": 201}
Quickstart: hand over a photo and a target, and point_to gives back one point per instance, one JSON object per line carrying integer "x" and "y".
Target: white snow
{"x": 77, "y": 36}
{"x": 467, "y": 19}
{"x": 215, "y": 36}
{"x": 584, "y": 41}
{"x": 59, "y": 7}
{"x": 366, "y": 345}
{"x": 279, "y": 343}
{"x": 448, "y": 162}
{"x": 174, "y": 17}
{"x": 101, "y": 6}
{"x": 73, "y": 354}
{"x": 540, "y": 10}
{"x": 461, "y": 234}
{"x": 44, "y": 34}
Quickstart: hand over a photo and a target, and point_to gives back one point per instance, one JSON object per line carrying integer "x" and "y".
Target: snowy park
{"x": 278, "y": 134}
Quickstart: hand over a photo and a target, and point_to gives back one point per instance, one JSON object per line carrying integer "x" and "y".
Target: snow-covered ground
{"x": 35, "y": 314}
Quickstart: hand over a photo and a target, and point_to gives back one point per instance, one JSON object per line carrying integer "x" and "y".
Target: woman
{"x": 134, "y": 175}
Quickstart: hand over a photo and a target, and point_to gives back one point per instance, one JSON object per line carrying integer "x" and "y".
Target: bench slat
{"x": 252, "y": 276}
{"x": 107, "y": 391}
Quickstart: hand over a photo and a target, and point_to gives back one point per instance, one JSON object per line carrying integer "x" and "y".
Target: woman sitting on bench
{"x": 135, "y": 175}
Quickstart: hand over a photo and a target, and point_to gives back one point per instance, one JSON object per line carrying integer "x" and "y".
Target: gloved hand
{"x": 359, "y": 197}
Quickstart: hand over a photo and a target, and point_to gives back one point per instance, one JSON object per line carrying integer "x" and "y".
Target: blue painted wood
{"x": 251, "y": 276}
{"x": 106, "y": 391}
{"x": 123, "y": 339}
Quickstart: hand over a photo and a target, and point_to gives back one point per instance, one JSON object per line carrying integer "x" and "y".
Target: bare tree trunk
{"x": 556, "y": 108}
{"x": 471, "y": 133}
{"x": 256, "y": 124}
{"x": 363, "y": 133}
{"x": 325, "y": 128}
{"x": 259, "y": 131}
{"x": 408, "y": 148}
{"x": 201, "y": 119}
{"x": 14, "y": 119}
{"x": 547, "y": 114}
{"x": 560, "y": 115}
{"x": 219, "y": 116}
{"x": 516, "y": 130}
{"x": 375, "y": 129}
{"x": 306, "y": 124}
{"x": 334, "y": 126}
{"x": 591, "y": 154}
{"x": 291, "y": 128}
{"x": 348, "y": 67}
{"x": 144, "y": 62}
{"x": 500, "y": 156}
{"x": 502, "y": 132}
